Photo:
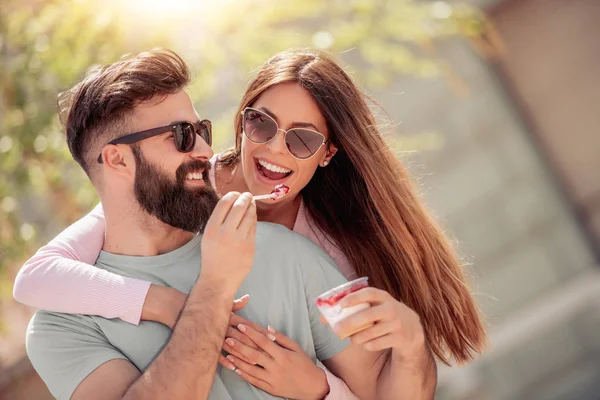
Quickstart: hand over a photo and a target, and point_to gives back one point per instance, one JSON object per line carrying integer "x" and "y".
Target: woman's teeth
{"x": 274, "y": 168}
{"x": 194, "y": 176}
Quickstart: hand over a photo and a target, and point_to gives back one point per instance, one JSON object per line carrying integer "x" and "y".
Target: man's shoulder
{"x": 43, "y": 317}
{"x": 276, "y": 238}
{"x": 268, "y": 230}
{"x": 278, "y": 242}
{"x": 48, "y": 330}
{"x": 47, "y": 326}
{"x": 65, "y": 348}
{"x": 274, "y": 244}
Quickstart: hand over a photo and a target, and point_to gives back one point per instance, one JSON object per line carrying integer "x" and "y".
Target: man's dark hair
{"x": 96, "y": 110}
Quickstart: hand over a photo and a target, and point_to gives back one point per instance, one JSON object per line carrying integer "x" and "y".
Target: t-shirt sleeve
{"x": 65, "y": 349}
{"x": 320, "y": 274}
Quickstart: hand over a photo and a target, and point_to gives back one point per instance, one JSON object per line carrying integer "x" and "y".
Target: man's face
{"x": 172, "y": 186}
{"x": 166, "y": 195}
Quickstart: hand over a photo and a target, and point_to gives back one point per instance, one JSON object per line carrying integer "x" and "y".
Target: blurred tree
{"x": 46, "y": 46}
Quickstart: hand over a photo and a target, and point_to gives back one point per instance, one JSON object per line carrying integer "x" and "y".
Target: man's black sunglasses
{"x": 184, "y": 132}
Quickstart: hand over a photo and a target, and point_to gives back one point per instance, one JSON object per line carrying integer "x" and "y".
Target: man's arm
{"x": 186, "y": 366}
{"x": 184, "y": 369}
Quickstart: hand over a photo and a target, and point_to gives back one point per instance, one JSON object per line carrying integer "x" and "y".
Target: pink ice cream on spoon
{"x": 278, "y": 192}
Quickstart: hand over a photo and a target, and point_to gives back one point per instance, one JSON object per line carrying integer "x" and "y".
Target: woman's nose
{"x": 277, "y": 145}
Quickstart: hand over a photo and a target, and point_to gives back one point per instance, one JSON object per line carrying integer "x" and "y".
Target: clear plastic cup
{"x": 328, "y": 304}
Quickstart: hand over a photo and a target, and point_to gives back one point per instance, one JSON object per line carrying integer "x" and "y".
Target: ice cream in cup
{"x": 328, "y": 304}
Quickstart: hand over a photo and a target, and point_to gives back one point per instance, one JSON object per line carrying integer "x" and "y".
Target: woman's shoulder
{"x": 307, "y": 227}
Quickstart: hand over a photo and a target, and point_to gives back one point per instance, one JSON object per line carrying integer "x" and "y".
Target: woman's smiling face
{"x": 269, "y": 164}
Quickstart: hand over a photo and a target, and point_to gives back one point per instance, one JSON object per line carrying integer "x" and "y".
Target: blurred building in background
{"x": 509, "y": 162}
{"x": 518, "y": 181}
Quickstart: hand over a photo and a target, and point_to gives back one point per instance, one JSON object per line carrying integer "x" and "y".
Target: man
{"x": 154, "y": 188}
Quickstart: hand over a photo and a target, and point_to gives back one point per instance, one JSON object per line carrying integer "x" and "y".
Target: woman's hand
{"x": 390, "y": 325}
{"x": 164, "y": 304}
{"x": 272, "y": 362}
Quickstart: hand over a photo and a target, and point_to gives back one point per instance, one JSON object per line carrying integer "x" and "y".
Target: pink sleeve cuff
{"x": 338, "y": 390}
{"x": 135, "y": 292}
{"x": 122, "y": 297}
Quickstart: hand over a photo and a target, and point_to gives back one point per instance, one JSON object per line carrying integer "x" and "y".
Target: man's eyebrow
{"x": 294, "y": 124}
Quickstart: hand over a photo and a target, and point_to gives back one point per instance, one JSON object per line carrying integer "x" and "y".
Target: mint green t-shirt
{"x": 289, "y": 271}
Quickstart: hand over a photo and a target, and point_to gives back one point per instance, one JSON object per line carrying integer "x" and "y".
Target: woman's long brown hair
{"x": 364, "y": 200}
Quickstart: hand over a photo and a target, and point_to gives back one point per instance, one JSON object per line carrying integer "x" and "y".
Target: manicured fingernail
{"x": 231, "y": 359}
{"x": 271, "y": 336}
{"x": 230, "y": 341}
{"x": 242, "y": 328}
{"x": 271, "y": 329}
{"x": 237, "y": 371}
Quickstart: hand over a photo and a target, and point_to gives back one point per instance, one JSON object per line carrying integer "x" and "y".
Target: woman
{"x": 349, "y": 194}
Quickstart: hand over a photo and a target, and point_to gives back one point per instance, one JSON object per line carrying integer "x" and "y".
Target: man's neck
{"x": 133, "y": 232}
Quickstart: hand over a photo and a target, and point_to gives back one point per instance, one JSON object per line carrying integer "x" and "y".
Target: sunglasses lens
{"x": 259, "y": 127}
{"x": 185, "y": 137}
{"x": 303, "y": 143}
{"x": 206, "y": 131}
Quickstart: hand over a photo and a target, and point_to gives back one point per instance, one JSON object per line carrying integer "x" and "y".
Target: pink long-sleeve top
{"x": 61, "y": 277}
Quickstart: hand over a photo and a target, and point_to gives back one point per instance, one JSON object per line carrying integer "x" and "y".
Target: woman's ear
{"x": 331, "y": 150}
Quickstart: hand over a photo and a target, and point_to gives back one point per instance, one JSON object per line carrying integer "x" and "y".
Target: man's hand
{"x": 229, "y": 241}
{"x": 186, "y": 366}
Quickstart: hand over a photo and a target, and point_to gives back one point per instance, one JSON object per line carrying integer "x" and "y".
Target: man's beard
{"x": 169, "y": 200}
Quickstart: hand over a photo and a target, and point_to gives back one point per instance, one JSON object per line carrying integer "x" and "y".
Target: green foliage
{"x": 46, "y": 46}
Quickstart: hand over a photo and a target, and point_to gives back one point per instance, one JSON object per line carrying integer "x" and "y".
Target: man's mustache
{"x": 193, "y": 166}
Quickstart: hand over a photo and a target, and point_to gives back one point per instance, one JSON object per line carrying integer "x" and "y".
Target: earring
{"x": 325, "y": 163}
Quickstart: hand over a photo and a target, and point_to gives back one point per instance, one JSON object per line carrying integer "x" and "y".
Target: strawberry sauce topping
{"x": 279, "y": 191}
{"x": 333, "y": 300}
